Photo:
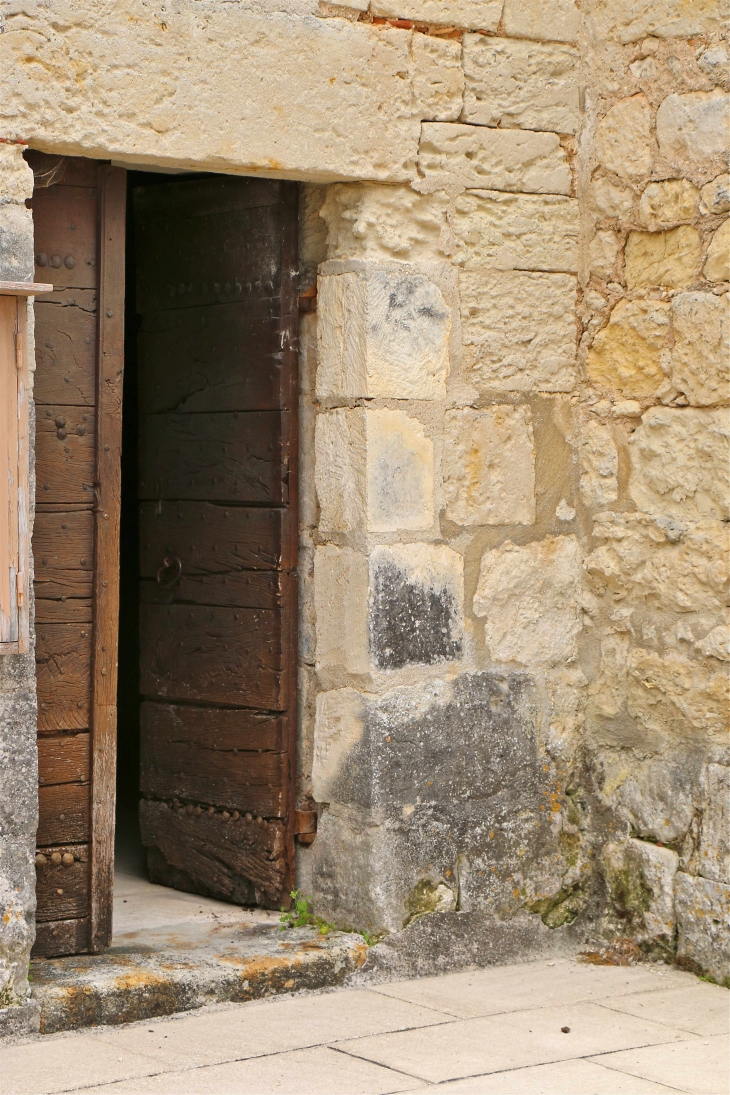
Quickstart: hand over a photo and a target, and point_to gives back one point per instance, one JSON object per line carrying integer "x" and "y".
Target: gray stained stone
{"x": 411, "y": 624}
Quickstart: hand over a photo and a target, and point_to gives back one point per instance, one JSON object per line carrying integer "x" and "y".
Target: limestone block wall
{"x": 514, "y": 431}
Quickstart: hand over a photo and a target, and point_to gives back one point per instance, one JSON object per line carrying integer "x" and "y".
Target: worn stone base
{"x": 443, "y": 942}
{"x": 230, "y": 965}
{"x": 21, "y": 1020}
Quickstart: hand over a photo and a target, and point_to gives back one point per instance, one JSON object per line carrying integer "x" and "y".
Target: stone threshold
{"x": 228, "y": 963}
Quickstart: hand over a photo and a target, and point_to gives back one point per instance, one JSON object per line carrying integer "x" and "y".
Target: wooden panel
{"x": 110, "y": 373}
{"x": 52, "y": 170}
{"x": 63, "y": 554}
{"x": 222, "y": 358}
{"x": 243, "y": 589}
{"x": 65, "y": 454}
{"x": 185, "y": 198}
{"x": 62, "y": 891}
{"x": 58, "y": 937}
{"x": 64, "y": 611}
{"x": 214, "y": 756}
{"x": 65, "y": 341}
{"x": 234, "y": 457}
{"x": 64, "y": 759}
{"x": 220, "y": 856}
{"x": 65, "y": 220}
{"x": 63, "y": 814}
{"x": 210, "y": 538}
{"x": 215, "y": 655}
{"x": 63, "y": 674}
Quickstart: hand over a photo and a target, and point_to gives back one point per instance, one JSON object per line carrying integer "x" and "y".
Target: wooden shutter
{"x": 79, "y": 216}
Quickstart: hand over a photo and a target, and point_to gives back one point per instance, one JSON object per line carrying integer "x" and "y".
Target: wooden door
{"x": 216, "y": 292}
{"x": 79, "y": 220}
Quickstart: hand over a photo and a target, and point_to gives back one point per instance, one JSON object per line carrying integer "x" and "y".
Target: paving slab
{"x": 318, "y": 1071}
{"x": 563, "y": 1078}
{"x": 529, "y": 984}
{"x": 265, "y": 1027}
{"x": 517, "y": 1039}
{"x": 700, "y": 1066}
{"x": 699, "y": 1008}
{"x": 45, "y": 1066}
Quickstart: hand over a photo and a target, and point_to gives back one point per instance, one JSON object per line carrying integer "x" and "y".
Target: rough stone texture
{"x": 340, "y": 603}
{"x": 680, "y": 463}
{"x": 609, "y": 199}
{"x": 502, "y": 159}
{"x": 236, "y": 110}
{"x": 525, "y": 85}
{"x": 668, "y": 258}
{"x": 382, "y": 333}
{"x": 477, "y": 14}
{"x": 437, "y": 797}
{"x": 715, "y": 839}
{"x": 716, "y": 195}
{"x": 626, "y": 354}
{"x": 624, "y": 140}
{"x": 703, "y": 920}
{"x": 373, "y": 470}
{"x": 415, "y": 611}
{"x": 599, "y": 465}
{"x": 552, "y": 20}
{"x": 518, "y": 330}
{"x": 130, "y": 983}
{"x": 659, "y": 798}
{"x": 365, "y": 221}
{"x": 700, "y": 366}
{"x": 694, "y": 126}
{"x": 603, "y": 252}
{"x": 640, "y": 880}
{"x": 529, "y": 596}
{"x": 717, "y": 267}
{"x": 664, "y": 204}
{"x": 632, "y": 20}
{"x": 516, "y": 232}
{"x": 489, "y": 466}
{"x": 438, "y": 78}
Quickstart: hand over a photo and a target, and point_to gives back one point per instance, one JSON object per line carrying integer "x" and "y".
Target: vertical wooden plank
{"x": 23, "y": 582}
{"x": 110, "y": 367}
{"x": 290, "y": 399}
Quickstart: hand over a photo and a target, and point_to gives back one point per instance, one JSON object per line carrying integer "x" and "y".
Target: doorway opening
{"x": 206, "y": 517}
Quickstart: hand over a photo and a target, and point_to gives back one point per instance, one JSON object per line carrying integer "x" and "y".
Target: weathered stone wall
{"x": 514, "y": 435}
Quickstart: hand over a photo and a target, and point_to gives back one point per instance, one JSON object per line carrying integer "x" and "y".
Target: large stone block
{"x": 340, "y": 603}
{"x": 495, "y": 159}
{"x": 632, "y": 20}
{"x": 374, "y": 471}
{"x": 694, "y": 126}
{"x": 663, "y": 564}
{"x": 665, "y": 204}
{"x": 609, "y": 199}
{"x": 700, "y": 367}
{"x": 670, "y": 259}
{"x": 519, "y": 330}
{"x": 626, "y": 354}
{"x": 16, "y": 177}
{"x": 475, "y": 14}
{"x": 382, "y": 333}
{"x": 371, "y": 222}
{"x": 659, "y": 797}
{"x": 550, "y": 20}
{"x": 518, "y": 84}
{"x": 715, "y": 831}
{"x": 186, "y": 97}
{"x": 17, "y": 914}
{"x": 670, "y": 692}
{"x": 717, "y": 266}
{"x": 489, "y": 466}
{"x": 640, "y": 878}
{"x": 716, "y": 195}
{"x": 624, "y": 141}
{"x": 598, "y": 464}
{"x": 680, "y": 461}
{"x": 17, "y": 262}
{"x": 438, "y": 78}
{"x": 529, "y": 596}
{"x": 703, "y": 920}
{"x": 602, "y": 254}
{"x": 415, "y": 605}
{"x": 516, "y": 232}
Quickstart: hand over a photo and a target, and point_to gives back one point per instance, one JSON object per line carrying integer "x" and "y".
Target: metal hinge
{"x": 305, "y": 826}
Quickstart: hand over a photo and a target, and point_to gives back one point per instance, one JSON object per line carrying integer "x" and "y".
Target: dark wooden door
{"x": 79, "y": 222}
{"x": 216, "y": 293}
